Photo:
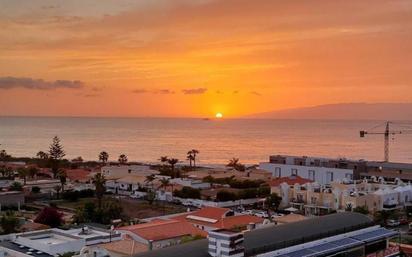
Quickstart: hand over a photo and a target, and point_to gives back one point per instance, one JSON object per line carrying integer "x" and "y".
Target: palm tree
{"x": 172, "y": 162}
{"x": 149, "y": 179}
{"x": 164, "y": 183}
{"x": 194, "y": 154}
{"x": 233, "y": 162}
{"x": 99, "y": 182}
{"x": 163, "y": 159}
{"x": 62, "y": 175}
{"x": 122, "y": 159}
{"x": 103, "y": 157}
{"x": 190, "y": 157}
{"x": 23, "y": 173}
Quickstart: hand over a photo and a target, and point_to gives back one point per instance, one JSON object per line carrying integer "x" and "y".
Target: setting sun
{"x": 219, "y": 115}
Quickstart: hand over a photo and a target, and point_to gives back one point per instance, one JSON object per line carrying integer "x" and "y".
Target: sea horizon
{"x": 146, "y": 139}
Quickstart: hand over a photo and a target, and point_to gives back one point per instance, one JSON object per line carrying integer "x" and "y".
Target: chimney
{"x": 225, "y": 243}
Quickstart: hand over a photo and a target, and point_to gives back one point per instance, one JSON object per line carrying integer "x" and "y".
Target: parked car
{"x": 247, "y": 212}
{"x": 392, "y": 223}
{"x": 261, "y": 214}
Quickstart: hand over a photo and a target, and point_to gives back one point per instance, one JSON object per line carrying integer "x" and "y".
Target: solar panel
{"x": 323, "y": 247}
{"x": 375, "y": 235}
{"x": 301, "y": 253}
{"x": 345, "y": 242}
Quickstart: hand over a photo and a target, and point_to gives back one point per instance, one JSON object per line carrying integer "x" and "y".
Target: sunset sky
{"x": 194, "y": 58}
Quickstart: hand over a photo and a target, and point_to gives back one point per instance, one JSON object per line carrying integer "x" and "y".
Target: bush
{"x": 50, "y": 216}
{"x": 74, "y": 195}
{"x": 35, "y": 190}
{"x": 224, "y": 196}
{"x": 188, "y": 192}
{"x": 16, "y": 186}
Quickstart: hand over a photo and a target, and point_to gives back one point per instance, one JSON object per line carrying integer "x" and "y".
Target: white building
{"x": 118, "y": 171}
{"x": 323, "y": 171}
{"x": 57, "y": 241}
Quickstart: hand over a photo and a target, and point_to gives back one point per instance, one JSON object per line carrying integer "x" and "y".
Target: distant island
{"x": 349, "y": 111}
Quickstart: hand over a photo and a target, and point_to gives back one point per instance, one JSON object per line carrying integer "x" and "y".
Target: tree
{"x": 190, "y": 158}
{"x": 42, "y": 155}
{"x": 149, "y": 179}
{"x": 4, "y": 156}
{"x": 172, "y": 162}
{"x": 194, "y": 154}
{"x": 273, "y": 201}
{"x": 56, "y": 154}
{"x": 224, "y": 196}
{"x": 23, "y": 173}
{"x": 235, "y": 164}
{"x": 382, "y": 216}
{"x": 164, "y": 183}
{"x": 99, "y": 182}
{"x": 9, "y": 223}
{"x": 57, "y": 189}
{"x": 103, "y": 157}
{"x": 16, "y": 186}
{"x": 188, "y": 192}
{"x": 50, "y": 216}
{"x": 78, "y": 159}
{"x": 361, "y": 209}
{"x": 122, "y": 159}
{"x": 33, "y": 171}
{"x": 62, "y": 175}
{"x": 150, "y": 196}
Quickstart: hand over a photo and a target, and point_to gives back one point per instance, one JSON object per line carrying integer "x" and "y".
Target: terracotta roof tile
{"x": 163, "y": 229}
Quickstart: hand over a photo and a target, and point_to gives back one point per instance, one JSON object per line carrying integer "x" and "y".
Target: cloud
{"x": 164, "y": 91}
{"x": 194, "y": 91}
{"x": 39, "y": 84}
{"x": 140, "y": 91}
{"x": 255, "y": 93}
{"x": 155, "y": 91}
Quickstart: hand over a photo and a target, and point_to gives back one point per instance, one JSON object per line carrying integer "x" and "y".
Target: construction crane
{"x": 386, "y": 133}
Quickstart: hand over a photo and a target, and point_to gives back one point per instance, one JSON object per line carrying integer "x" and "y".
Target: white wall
{"x": 321, "y": 173}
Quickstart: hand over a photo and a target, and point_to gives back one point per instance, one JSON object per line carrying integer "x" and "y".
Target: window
{"x": 278, "y": 172}
{"x": 294, "y": 172}
{"x": 349, "y": 176}
{"x": 329, "y": 177}
{"x": 313, "y": 200}
{"x": 311, "y": 175}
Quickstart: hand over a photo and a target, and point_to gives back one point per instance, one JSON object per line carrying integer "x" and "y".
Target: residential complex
{"x": 343, "y": 234}
{"x": 327, "y": 170}
{"x": 316, "y": 199}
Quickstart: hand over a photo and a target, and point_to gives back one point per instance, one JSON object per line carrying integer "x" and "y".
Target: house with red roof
{"x": 213, "y": 218}
{"x": 160, "y": 233}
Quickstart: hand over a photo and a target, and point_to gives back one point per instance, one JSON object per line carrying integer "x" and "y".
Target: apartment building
{"x": 342, "y": 234}
{"x": 322, "y": 170}
{"x": 327, "y": 170}
{"x": 315, "y": 199}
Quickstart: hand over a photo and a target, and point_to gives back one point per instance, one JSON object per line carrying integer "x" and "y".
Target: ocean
{"x": 146, "y": 139}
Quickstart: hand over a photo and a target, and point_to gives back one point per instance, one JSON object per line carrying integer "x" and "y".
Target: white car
{"x": 247, "y": 212}
{"x": 262, "y": 214}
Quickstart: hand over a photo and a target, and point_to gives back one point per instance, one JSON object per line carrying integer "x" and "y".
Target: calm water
{"x": 143, "y": 139}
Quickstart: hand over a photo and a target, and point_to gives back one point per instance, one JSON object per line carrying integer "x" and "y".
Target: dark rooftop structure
{"x": 276, "y": 237}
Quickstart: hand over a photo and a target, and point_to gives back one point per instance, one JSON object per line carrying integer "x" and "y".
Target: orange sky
{"x": 195, "y": 58}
